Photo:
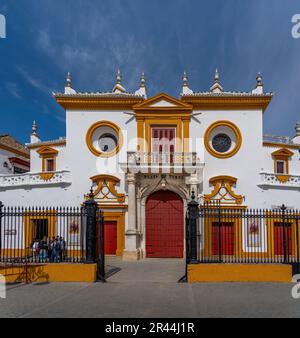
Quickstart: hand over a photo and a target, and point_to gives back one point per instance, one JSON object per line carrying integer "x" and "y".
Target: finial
{"x": 185, "y": 80}
{"x": 34, "y": 128}
{"x": 118, "y": 88}
{"x": 143, "y": 80}
{"x": 216, "y": 87}
{"x": 118, "y": 77}
{"x": 91, "y": 194}
{"x": 217, "y": 76}
{"x": 69, "y": 80}
{"x": 193, "y": 195}
{"x": 297, "y": 128}
{"x": 259, "y": 80}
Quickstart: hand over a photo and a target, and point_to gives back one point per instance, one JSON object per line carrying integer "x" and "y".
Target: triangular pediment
{"x": 162, "y": 101}
{"x": 284, "y": 152}
{"x": 47, "y": 151}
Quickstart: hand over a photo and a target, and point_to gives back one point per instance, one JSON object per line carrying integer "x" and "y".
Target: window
{"x": 221, "y": 143}
{"x": 50, "y": 165}
{"x": 280, "y": 167}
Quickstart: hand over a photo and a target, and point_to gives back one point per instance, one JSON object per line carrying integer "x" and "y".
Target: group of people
{"x": 47, "y": 249}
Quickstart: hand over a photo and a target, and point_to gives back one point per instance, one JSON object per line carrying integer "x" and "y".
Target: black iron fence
{"x": 52, "y": 235}
{"x": 230, "y": 234}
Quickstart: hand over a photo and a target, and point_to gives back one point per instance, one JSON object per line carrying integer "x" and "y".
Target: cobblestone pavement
{"x": 149, "y": 289}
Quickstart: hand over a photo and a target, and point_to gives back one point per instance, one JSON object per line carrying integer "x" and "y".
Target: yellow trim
{"x": 97, "y": 103}
{"x": 283, "y": 155}
{"x": 237, "y": 133}
{"x": 91, "y": 131}
{"x": 119, "y": 217}
{"x": 50, "y": 273}
{"x": 47, "y": 144}
{"x": 109, "y": 182}
{"x": 239, "y": 273}
{"x": 231, "y": 102}
{"x": 47, "y": 153}
{"x": 226, "y": 183}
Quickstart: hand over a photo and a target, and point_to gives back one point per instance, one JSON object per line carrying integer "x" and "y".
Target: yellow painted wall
{"x": 239, "y": 273}
{"x": 50, "y": 273}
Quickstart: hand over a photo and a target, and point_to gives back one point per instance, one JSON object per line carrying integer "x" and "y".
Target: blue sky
{"x": 93, "y": 38}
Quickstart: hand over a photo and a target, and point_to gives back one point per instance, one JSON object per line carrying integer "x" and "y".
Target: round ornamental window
{"x": 223, "y": 139}
{"x": 221, "y": 143}
{"x": 104, "y": 139}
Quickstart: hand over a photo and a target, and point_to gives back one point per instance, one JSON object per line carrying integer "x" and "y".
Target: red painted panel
{"x": 110, "y": 238}
{"x": 278, "y": 239}
{"x": 164, "y": 225}
{"x": 227, "y": 239}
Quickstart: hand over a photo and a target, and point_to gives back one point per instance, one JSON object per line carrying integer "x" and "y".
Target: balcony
{"x": 162, "y": 162}
{"x": 59, "y": 178}
{"x": 269, "y": 180}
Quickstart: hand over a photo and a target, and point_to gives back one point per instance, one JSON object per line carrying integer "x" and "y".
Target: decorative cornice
{"x": 223, "y": 102}
{"x": 14, "y": 151}
{"x": 281, "y": 145}
{"x": 54, "y": 143}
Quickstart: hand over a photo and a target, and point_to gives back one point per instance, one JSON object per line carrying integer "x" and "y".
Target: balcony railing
{"x": 269, "y": 180}
{"x": 139, "y": 161}
{"x": 278, "y": 139}
{"x": 35, "y": 179}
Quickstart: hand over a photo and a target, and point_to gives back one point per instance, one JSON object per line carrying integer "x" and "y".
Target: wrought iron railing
{"x": 231, "y": 234}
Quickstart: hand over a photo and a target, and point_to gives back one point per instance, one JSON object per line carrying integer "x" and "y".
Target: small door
{"x": 110, "y": 238}
{"x": 278, "y": 239}
{"x": 226, "y": 232}
{"x": 40, "y": 229}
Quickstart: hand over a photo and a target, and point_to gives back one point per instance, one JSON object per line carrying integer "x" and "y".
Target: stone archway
{"x": 164, "y": 225}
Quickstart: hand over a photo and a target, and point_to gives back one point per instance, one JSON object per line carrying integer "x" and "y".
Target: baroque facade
{"x": 144, "y": 157}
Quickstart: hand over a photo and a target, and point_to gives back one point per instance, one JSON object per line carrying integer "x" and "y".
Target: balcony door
{"x": 163, "y": 144}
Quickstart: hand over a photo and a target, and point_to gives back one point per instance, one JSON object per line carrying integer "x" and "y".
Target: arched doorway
{"x": 164, "y": 225}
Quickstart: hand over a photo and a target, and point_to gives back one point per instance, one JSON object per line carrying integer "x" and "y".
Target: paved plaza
{"x": 149, "y": 289}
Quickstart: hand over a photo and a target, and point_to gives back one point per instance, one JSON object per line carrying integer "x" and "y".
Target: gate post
{"x": 192, "y": 217}
{"x": 283, "y": 211}
{"x": 91, "y": 229}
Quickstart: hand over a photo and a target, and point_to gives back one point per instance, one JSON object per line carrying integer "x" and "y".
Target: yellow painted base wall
{"x": 50, "y": 273}
{"x": 239, "y": 273}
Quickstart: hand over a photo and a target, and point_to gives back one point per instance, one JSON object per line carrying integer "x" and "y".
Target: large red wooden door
{"x": 278, "y": 239}
{"x": 227, "y": 239}
{"x": 164, "y": 225}
{"x": 110, "y": 238}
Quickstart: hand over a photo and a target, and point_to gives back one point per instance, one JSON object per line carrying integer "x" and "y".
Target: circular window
{"x": 104, "y": 139}
{"x": 221, "y": 143}
{"x": 223, "y": 139}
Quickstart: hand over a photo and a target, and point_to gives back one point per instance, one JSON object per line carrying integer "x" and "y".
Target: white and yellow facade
{"x": 128, "y": 147}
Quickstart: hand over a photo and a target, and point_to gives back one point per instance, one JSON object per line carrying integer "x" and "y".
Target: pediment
{"x": 283, "y": 152}
{"x": 163, "y": 101}
{"x": 47, "y": 151}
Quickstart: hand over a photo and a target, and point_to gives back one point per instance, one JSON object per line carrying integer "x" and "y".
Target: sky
{"x": 163, "y": 38}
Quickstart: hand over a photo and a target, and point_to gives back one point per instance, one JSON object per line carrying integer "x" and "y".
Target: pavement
{"x": 149, "y": 289}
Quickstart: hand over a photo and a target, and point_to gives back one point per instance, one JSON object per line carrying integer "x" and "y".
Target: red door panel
{"x": 227, "y": 239}
{"x": 278, "y": 239}
{"x": 164, "y": 225}
{"x": 110, "y": 238}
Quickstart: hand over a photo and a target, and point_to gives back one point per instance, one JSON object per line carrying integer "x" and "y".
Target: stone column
{"x": 132, "y": 250}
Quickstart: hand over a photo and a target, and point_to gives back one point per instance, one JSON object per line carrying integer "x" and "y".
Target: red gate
{"x": 164, "y": 225}
{"x": 110, "y": 238}
{"x": 278, "y": 239}
{"x": 227, "y": 239}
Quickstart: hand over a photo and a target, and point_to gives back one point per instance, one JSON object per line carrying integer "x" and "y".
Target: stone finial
{"x": 216, "y": 87}
{"x": 185, "y": 85}
{"x": 297, "y": 128}
{"x": 69, "y": 80}
{"x": 34, "y": 138}
{"x": 142, "y": 91}
{"x": 68, "y": 86}
{"x": 34, "y": 128}
{"x": 259, "y": 89}
{"x": 118, "y": 88}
